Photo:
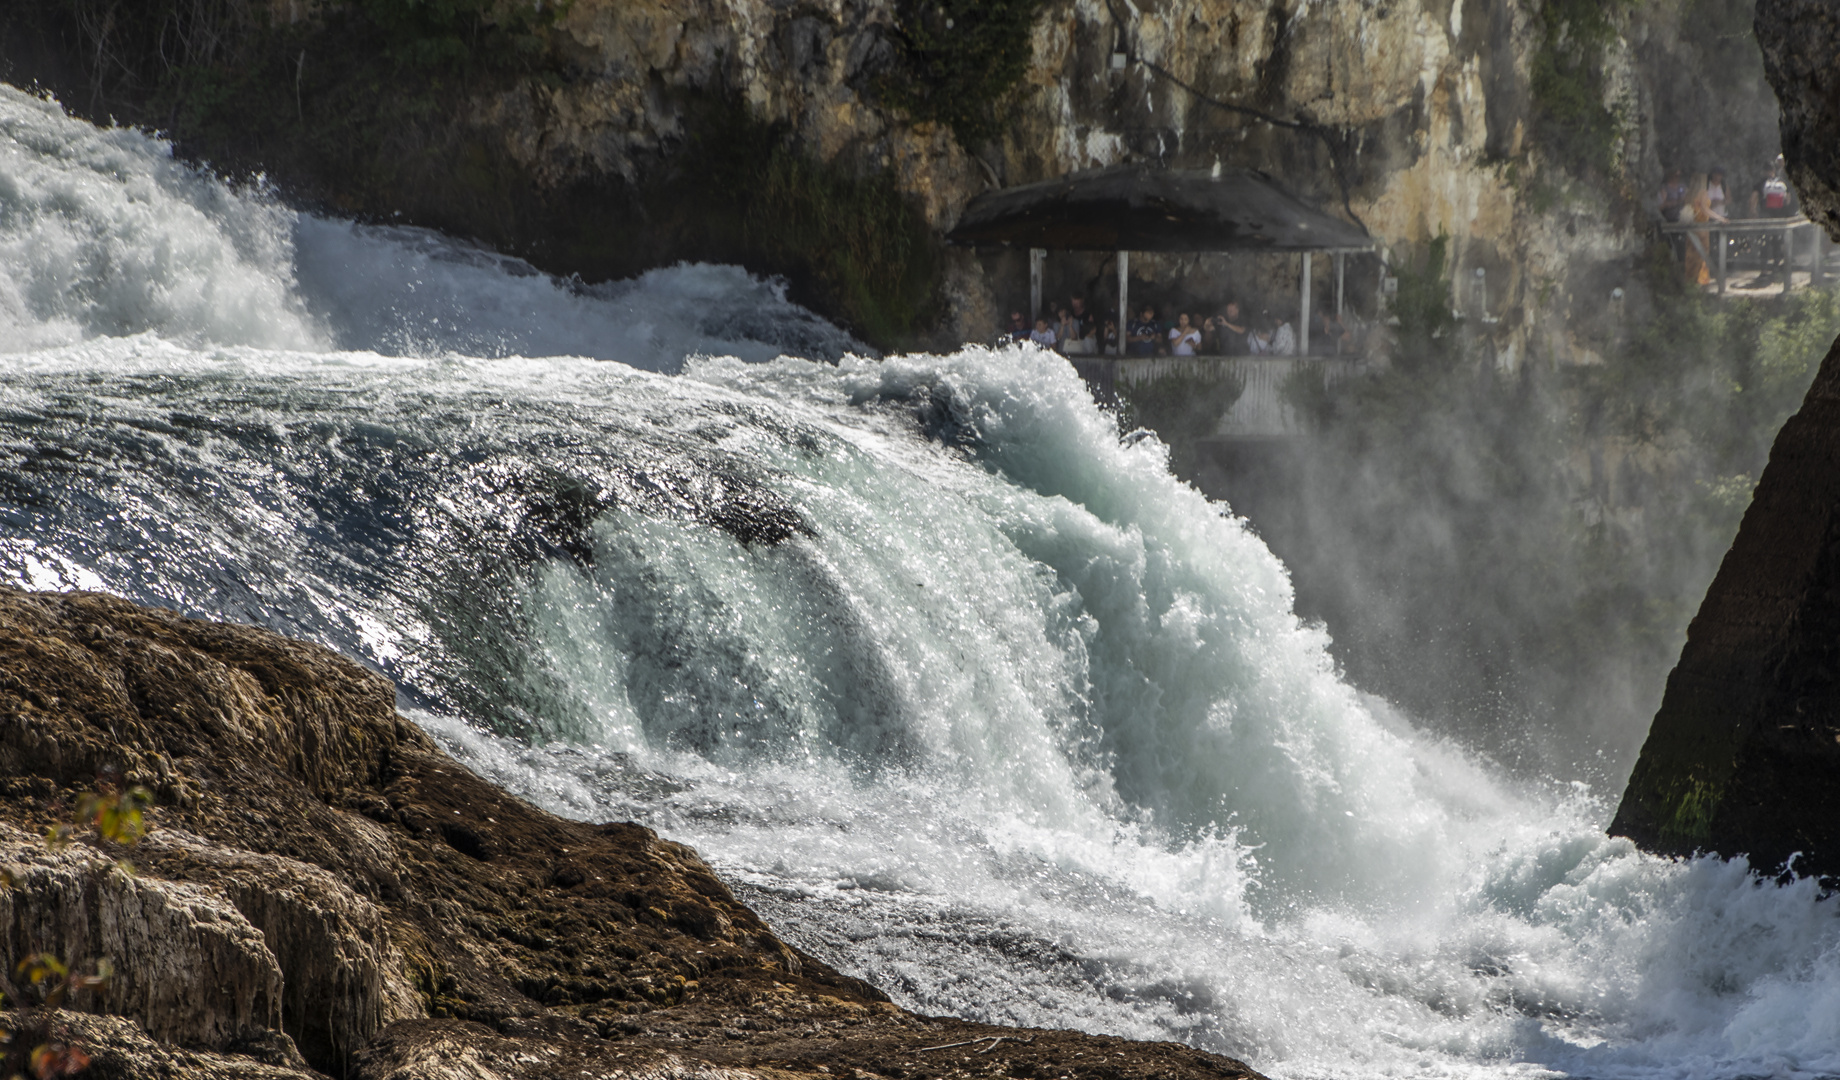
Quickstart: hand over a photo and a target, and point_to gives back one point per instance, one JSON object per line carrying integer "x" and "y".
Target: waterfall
{"x": 964, "y": 693}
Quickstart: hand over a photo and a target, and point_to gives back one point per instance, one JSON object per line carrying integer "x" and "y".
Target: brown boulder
{"x": 396, "y": 914}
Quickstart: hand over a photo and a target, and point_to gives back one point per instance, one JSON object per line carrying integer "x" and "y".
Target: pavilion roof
{"x": 1149, "y": 208}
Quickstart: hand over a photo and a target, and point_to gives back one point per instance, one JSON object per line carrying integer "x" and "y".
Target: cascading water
{"x": 965, "y": 694}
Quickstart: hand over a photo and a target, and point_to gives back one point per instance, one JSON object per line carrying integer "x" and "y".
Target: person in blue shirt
{"x": 1145, "y": 335}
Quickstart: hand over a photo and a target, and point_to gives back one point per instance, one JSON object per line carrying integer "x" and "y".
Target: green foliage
{"x": 1182, "y": 409}
{"x": 1567, "y": 80}
{"x": 1722, "y": 376}
{"x": 1426, "y": 343}
{"x": 55, "y": 981}
{"x": 744, "y": 190}
{"x": 116, "y": 812}
{"x": 461, "y": 35}
{"x": 959, "y": 61}
{"x": 1690, "y": 821}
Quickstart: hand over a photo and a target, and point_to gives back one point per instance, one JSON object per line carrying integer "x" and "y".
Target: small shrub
{"x": 1567, "y": 81}
{"x": 744, "y": 190}
{"x": 959, "y": 60}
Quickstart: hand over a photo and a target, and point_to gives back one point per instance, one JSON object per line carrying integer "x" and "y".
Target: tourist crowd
{"x": 1706, "y": 197}
{"x": 1076, "y": 330}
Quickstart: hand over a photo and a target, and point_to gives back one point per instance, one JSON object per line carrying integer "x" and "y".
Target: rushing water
{"x": 963, "y": 692}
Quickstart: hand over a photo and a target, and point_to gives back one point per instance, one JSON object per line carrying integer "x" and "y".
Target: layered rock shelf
{"x": 323, "y": 891}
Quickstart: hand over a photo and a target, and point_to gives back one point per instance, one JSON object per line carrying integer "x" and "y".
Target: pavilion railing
{"x": 1261, "y": 411}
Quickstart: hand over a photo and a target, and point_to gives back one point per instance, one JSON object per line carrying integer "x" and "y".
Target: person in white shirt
{"x": 1067, "y": 334}
{"x": 1258, "y": 336}
{"x": 1184, "y": 339}
{"x": 1284, "y": 340}
{"x": 1042, "y": 335}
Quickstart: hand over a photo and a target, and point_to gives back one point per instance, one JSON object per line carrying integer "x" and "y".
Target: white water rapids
{"x": 962, "y": 691}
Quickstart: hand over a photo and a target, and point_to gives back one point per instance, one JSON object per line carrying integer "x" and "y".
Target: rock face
{"x": 1420, "y": 118}
{"x": 1744, "y": 754}
{"x": 325, "y": 892}
{"x": 1799, "y": 38}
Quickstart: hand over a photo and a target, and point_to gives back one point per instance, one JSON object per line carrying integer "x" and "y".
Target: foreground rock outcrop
{"x": 1744, "y": 754}
{"x": 1799, "y": 40}
{"x": 325, "y": 892}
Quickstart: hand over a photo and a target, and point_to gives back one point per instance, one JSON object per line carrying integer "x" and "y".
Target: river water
{"x": 960, "y": 690}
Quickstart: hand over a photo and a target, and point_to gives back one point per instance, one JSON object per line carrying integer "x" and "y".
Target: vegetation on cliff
{"x": 959, "y": 61}
{"x": 1566, "y": 73}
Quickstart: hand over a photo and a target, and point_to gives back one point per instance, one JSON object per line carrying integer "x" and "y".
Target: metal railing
{"x": 1712, "y": 239}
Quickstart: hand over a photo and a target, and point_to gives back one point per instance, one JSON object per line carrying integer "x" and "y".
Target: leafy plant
{"x": 1567, "y": 81}
{"x": 117, "y": 813}
{"x": 959, "y": 60}
{"x": 459, "y": 35}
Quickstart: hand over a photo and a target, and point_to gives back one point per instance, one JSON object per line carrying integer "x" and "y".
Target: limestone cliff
{"x": 782, "y": 134}
{"x": 325, "y": 892}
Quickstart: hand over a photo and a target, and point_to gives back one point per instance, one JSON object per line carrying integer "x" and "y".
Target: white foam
{"x": 102, "y": 233}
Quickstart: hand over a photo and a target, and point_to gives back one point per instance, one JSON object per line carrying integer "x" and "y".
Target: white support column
{"x": 1124, "y": 298}
{"x": 1341, "y": 270}
{"x": 1817, "y": 274}
{"x": 1303, "y": 330}
{"x": 1037, "y": 256}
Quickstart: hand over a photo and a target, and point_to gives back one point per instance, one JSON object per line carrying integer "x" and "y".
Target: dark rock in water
{"x": 324, "y": 889}
{"x": 1744, "y": 755}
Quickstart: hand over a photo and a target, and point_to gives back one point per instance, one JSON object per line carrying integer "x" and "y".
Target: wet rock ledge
{"x": 324, "y": 892}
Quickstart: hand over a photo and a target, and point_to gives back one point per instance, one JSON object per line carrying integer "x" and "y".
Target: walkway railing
{"x": 1261, "y": 411}
{"x": 1718, "y": 235}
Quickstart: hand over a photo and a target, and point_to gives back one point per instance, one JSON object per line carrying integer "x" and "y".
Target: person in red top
{"x": 1773, "y": 198}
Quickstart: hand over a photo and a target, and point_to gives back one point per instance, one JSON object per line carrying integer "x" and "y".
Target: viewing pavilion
{"x": 1126, "y": 208}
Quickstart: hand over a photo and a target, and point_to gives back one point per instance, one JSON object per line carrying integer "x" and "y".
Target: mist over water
{"x": 965, "y": 694}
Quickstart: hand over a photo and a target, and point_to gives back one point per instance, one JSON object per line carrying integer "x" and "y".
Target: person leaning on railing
{"x": 1773, "y": 198}
{"x": 1144, "y": 336}
{"x": 1229, "y": 331}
